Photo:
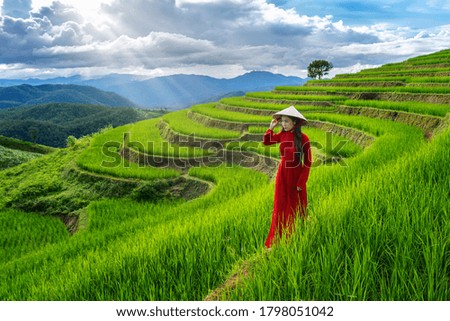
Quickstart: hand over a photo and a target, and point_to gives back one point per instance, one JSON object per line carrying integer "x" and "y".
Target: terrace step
{"x": 248, "y": 159}
{"x": 247, "y": 110}
{"x": 393, "y": 96}
{"x": 358, "y": 137}
{"x": 357, "y": 84}
{"x": 386, "y": 95}
{"x": 426, "y": 122}
{"x": 393, "y": 73}
{"x": 219, "y": 123}
{"x": 425, "y": 64}
{"x": 425, "y": 84}
{"x": 409, "y": 66}
{"x": 306, "y": 93}
{"x": 264, "y": 112}
{"x": 290, "y": 102}
{"x": 397, "y": 74}
{"x": 261, "y": 163}
{"x": 174, "y": 137}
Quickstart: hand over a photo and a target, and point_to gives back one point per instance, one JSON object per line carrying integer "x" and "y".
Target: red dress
{"x": 288, "y": 201}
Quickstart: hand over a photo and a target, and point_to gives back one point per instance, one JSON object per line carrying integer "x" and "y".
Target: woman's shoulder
{"x": 305, "y": 137}
{"x": 283, "y": 133}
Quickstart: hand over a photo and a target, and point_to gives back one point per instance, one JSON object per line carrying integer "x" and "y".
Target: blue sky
{"x": 410, "y": 13}
{"x": 219, "y": 38}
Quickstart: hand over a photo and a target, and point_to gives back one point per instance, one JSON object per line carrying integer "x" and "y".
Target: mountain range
{"x": 172, "y": 92}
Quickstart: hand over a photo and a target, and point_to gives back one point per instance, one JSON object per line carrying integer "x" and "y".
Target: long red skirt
{"x": 289, "y": 203}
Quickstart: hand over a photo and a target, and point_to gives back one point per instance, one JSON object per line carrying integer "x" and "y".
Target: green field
{"x": 98, "y": 221}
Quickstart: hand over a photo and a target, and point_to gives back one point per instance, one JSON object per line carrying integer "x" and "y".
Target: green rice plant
{"x": 396, "y": 71}
{"x": 24, "y": 233}
{"x": 334, "y": 90}
{"x": 257, "y": 129}
{"x": 378, "y": 240}
{"x": 405, "y": 71}
{"x": 369, "y": 125}
{"x": 440, "y": 55}
{"x": 180, "y": 123}
{"x": 148, "y": 246}
{"x": 331, "y": 144}
{"x": 103, "y": 157}
{"x": 375, "y": 80}
{"x": 210, "y": 110}
{"x": 432, "y": 80}
{"x": 431, "y": 62}
{"x": 419, "y": 65}
{"x": 273, "y": 106}
{"x": 280, "y": 96}
{"x": 393, "y": 139}
{"x": 410, "y": 107}
{"x": 257, "y": 147}
{"x": 145, "y": 137}
{"x": 241, "y": 102}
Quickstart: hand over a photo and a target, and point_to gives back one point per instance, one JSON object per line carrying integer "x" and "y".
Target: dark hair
{"x": 298, "y": 142}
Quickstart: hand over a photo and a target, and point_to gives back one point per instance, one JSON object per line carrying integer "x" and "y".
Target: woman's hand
{"x": 299, "y": 189}
{"x": 273, "y": 123}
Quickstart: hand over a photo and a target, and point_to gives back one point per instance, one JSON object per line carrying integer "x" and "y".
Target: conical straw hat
{"x": 290, "y": 111}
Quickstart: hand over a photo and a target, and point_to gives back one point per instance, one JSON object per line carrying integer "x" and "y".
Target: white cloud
{"x": 200, "y": 36}
{"x": 59, "y": 13}
{"x": 88, "y": 9}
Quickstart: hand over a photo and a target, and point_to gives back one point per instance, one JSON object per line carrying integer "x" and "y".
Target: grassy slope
{"x": 48, "y": 185}
{"x": 11, "y": 157}
{"x": 14, "y": 151}
{"x": 146, "y": 246}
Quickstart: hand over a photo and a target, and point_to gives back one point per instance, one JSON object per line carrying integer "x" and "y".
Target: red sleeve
{"x": 271, "y": 138}
{"x": 307, "y": 160}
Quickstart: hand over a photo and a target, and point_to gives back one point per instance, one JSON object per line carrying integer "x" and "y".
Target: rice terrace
{"x": 177, "y": 207}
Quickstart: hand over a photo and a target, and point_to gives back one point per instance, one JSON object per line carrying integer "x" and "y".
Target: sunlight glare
{"x": 89, "y": 9}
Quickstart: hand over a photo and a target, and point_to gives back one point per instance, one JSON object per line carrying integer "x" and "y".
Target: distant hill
{"x": 176, "y": 91}
{"x": 51, "y": 124}
{"x": 32, "y": 95}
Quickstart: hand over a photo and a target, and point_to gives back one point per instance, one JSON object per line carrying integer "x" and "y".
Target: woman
{"x": 293, "y": 171}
